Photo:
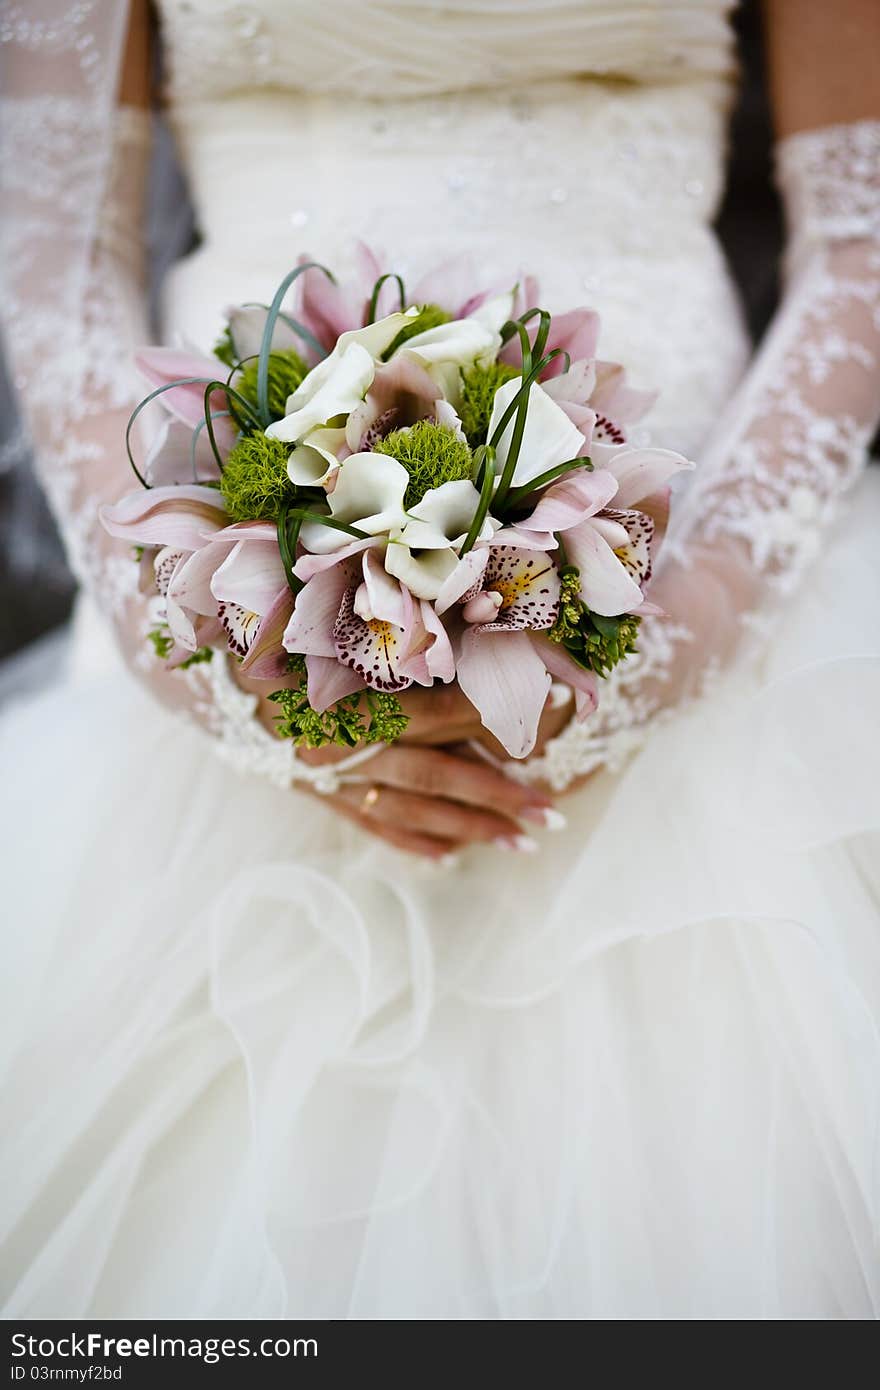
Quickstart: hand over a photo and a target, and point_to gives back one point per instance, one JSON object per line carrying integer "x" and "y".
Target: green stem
{"x": 483, "y": 456}
{"x": 519, "y": 494}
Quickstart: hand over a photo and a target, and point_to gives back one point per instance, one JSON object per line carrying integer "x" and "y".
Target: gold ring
{"x": 370, "y": 798}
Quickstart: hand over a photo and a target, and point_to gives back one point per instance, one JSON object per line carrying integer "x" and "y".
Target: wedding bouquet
{"x": 371, "y": 489}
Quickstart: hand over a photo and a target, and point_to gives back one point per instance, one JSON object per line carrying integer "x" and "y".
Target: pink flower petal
{"x": 528, "y": 582}
{"x": 640, "y": 472}
{"x": 161, "y": 365}
{"x": 611, "y": 395}
{"x": 606, "y": 585}
{"x": 307, "y": 566}
{"x": 565, "y": 504}
{"x": 563, "y": 667}
{"x": 176, "y": 516}
{"x": 329, "y": 681}
{"x": 266, "y": 658}
{"x": 389, "y": 601}
{"x": 466, "y": 574}
{"x": 432, "y": 657}
{"x": 507, "y": 683}
{"x": 191, "y": 583}
{"x": 252, "y": 575}
{"x": 310, "y": 629}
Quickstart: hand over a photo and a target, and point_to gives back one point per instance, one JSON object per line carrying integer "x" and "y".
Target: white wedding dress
{"x": 258, "y": 1065}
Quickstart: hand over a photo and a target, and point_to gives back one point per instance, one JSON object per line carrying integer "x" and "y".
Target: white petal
{"x": 549, "y": 438}
{"x": 369, "y": 493}
{"x": 371, "y": 340}
{"x": 423, "y": 574}
{"x": 444, "y": 515}
{"x": 496, "y": 311}
{"x": 341, "y": 390}
{"x": 461, "y": 341}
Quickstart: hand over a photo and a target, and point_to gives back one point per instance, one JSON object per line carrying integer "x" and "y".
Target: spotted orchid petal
{"x": 611, "y": 576}
{"x": 507, "y": 682}
{"x": 528, "y": 585}
{"x": 266, "y": 658}
{"x": 466, "y": 575}
{"x": 376, "y": 650}
{"x": 549, "y": 438}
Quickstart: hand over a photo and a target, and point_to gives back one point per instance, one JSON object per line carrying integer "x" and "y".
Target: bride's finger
{"x": 401, "y": 837}
{"x": 433, "y": 816}
{"x": 431, "y": 772}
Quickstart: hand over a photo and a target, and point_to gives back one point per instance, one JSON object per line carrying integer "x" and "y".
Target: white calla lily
{"x": 313, "y": 463}
{"x": 496, "y": 312}
{"x": 340, "y": 391}
{"x": 461, "y": 341}
{"x": 368, "y": 495}
{"x": 549, "y": 437}
{"x": 424, "y": 552}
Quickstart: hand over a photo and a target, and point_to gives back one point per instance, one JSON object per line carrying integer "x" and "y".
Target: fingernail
{"x": 547, "y": 816}
{"x": 522, "y": 844}
{"x": 449, "y": 861}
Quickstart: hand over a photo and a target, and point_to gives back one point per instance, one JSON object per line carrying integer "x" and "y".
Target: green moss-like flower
{"x": 286, "y": 372}
{"x": 430, "y": 316}
{"x": 224, "y": 348}
{"x": 162, "y": 642}
{"x": 431, "y": 454}
{"x": 254, "y": 480}
{"x": 367, "y": 716}
{"x": 571, "y": 609}
{"x": 593, "y": 641}
{"x": 478, "y": 387}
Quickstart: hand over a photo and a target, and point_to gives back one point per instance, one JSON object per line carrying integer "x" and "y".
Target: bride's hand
{"x": 433, "y": 802}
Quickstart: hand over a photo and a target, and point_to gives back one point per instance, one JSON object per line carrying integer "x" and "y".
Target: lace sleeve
{"x": 788, "y": 448}
{"x": 71, "y": 348}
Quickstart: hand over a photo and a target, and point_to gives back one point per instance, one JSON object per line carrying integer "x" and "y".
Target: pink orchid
{"x": 178, "y": 522}
{"x": 353, "y": 614}
{"x": 401, "y": 393}
{"x": 328, "y": 309}
{"x": 164, "y": 365}
{"x": 500, "y": 668}
{"x": 576, "y": 333}
{"x": 251, "y": 595}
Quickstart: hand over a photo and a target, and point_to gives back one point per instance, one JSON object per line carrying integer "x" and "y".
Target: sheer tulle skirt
{"x": 257, "y": 1066}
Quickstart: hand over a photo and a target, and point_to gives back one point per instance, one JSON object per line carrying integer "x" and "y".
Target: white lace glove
{"x": 768, "y": 484}
{"x": 78, "y": 388}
